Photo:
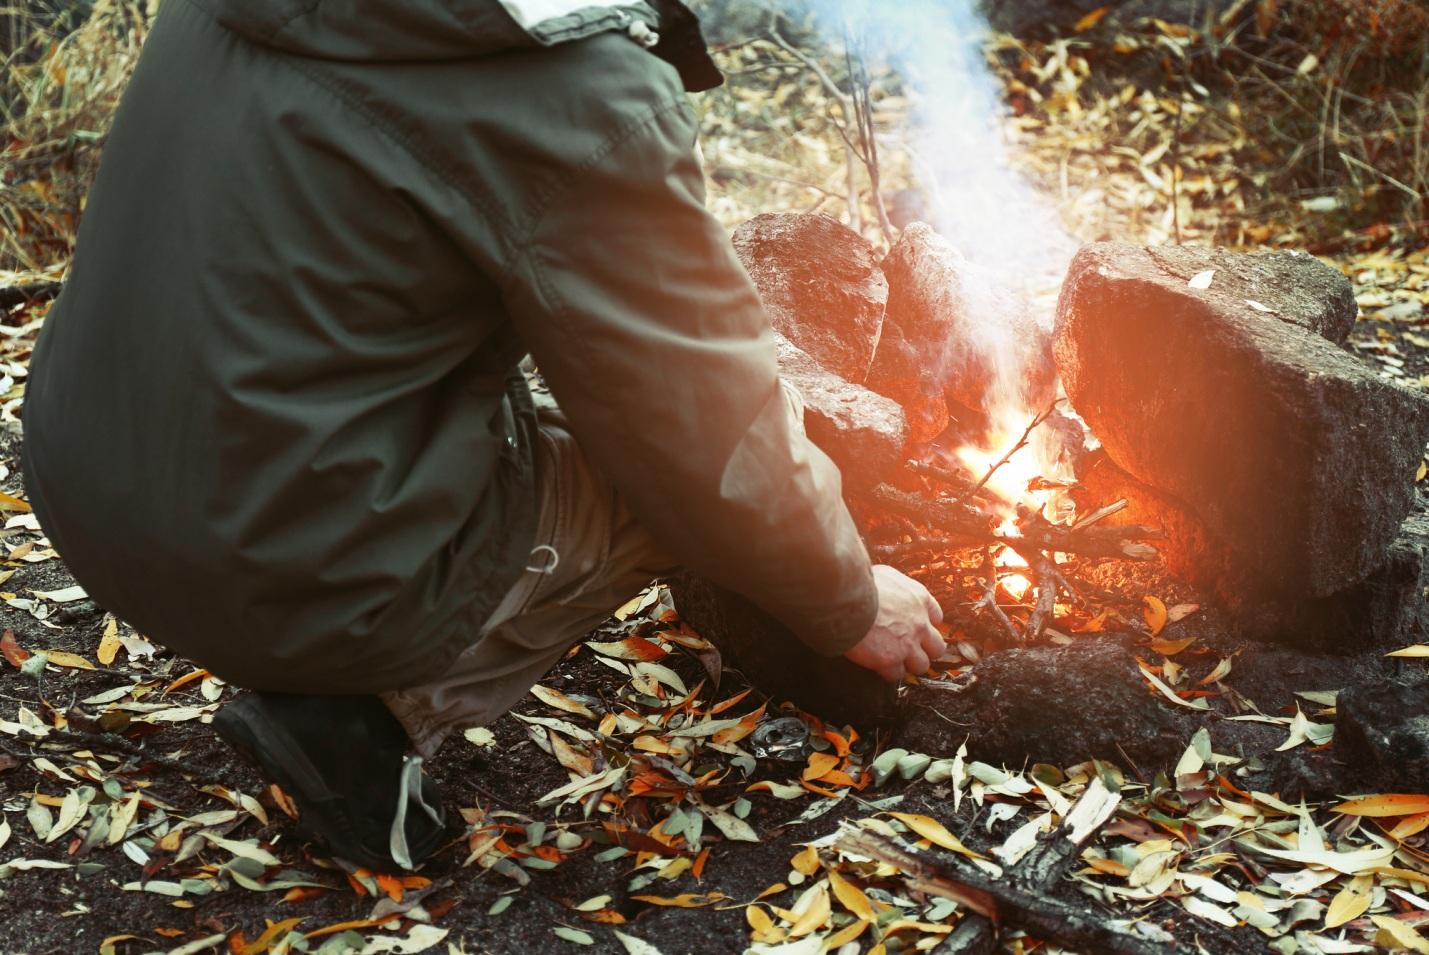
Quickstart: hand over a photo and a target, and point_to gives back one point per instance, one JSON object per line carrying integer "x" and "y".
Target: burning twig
{"x": 965, "y": 526}
{"x": 1021, "y": 443}
{"x": 988, "y": 600}
{"x": 960, "y": 483}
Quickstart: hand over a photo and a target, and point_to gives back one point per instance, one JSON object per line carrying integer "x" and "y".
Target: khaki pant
{"x": 590, "y": 557}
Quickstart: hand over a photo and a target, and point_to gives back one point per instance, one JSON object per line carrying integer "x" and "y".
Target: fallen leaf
{"x": 1417, "y": 650}
{"x": 1350, "y": 903}
{"x": 1154, "y": 613}
{"x": 1388, "y": 804}
{"x": 1091, "y": 19}
{"x": 1202, "y": 280}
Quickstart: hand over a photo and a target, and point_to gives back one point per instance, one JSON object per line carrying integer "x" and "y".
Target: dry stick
{"x": 971, "y": 527}
{"x": 988, "y": 600}
{"x": 1021, "y": 443}
{"x": 960, "y": 483}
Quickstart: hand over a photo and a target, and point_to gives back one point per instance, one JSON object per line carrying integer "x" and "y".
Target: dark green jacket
{"x": 273, "y": 420}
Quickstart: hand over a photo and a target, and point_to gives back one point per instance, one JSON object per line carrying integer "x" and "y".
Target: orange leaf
{"x": 819, "y": 764}
{"x": 355, "y": 923}
{"x": 270, "y": 935}
{"x": 301, "y": 893}
{"x": 391, "y": 885}
{"x": 1154, "y": 613}
{"x": 698, "y": 869}
{"x": 1390, "y": 804}
{"x": 1091, "y": 19}
{"x": 14, "y": 654}
{"x": 1410, "y": 826}
{"x": 185, "y": 680}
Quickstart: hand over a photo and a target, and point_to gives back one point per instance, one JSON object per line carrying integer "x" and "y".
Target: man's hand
{"x": 903, "y": 638}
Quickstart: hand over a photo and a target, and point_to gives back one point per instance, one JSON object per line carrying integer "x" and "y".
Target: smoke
{"x": 954, "y": 138}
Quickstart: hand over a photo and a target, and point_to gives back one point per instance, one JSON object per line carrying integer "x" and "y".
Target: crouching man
{"x": 276, "y": 419}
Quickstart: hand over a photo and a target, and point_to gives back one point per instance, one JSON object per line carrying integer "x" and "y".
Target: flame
{"x": 1016, "y": 585}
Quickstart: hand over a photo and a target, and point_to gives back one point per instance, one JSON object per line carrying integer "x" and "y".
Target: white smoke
{"x": 954, "y": 136}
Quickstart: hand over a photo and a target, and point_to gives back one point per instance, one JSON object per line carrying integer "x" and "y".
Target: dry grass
{"x": 60, "y": 88}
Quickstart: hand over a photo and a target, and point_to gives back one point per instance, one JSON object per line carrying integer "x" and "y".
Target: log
{"x": 946, "y": 876}
{"x": 1043, "y": 866}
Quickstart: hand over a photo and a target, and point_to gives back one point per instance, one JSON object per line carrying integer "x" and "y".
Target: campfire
{"x": 1187, "y": 422}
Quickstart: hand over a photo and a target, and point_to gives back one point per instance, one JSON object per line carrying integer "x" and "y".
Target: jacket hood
{"x": 395, "y": 30}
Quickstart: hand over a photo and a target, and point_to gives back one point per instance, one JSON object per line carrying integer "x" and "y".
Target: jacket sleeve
{"x": 654, "y": 342}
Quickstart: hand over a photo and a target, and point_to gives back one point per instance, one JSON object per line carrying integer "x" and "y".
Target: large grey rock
{"x": 776, "y": 663}
{"x": 952, "y": 331}
{"x": 1382, "y": 734}
{"x": 821, "y": 285}
{"x": 1388, "y": 609}
{"x": 1288, "y": 449}
{"x": 863, "y": 432}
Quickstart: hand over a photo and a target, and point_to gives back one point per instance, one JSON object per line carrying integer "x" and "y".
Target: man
{"x": 276, "y": 419}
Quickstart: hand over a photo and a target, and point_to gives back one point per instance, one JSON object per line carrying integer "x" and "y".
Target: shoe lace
{"x": 409, "y": 791}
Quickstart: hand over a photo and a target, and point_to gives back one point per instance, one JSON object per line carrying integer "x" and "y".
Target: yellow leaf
{"x": 274, "y": 932}
{"x": 819, "y": 763}
{"x": 109, "y": 644}
{"x": 1396, "y": 934}
{"x": 1410, "y": 826}
{"x": 1390, "y": 804}
{"x": 844, "y": 935}
{"x": 72, "y": 660}
{"x": 688, "y": 900}
{"x": 764, "y": 928}
{"x": 8, "y": 502}
{"x": 1423, "y": 471}
{"x": 935, "y": 832}
{"x": 1417, "y": 650}
{"x": 806, "y": 862}
{"x": 814, "y": 916}
{"x": 1091, "y": 19}
{"x": 1154, "y": 613}
{"x": 852, "y": 898}
{"x": 1170, "y": 648}
{"x": 1351, "y": 902}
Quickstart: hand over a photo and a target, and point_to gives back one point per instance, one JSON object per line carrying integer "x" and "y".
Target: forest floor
{"x": 640, "y": 800}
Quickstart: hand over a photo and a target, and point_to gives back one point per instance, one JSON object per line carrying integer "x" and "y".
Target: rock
{"x": 903, "y": 372}
{"x": 1388, "y": 609}
{"x": 952, "y": 332}
{"x": 1382, "y": 734}
{"x": 775, "y": 662}
{"x": 1286, "y": 448}
{"x": 863, "y": 432}
{"x": 821, "y": 285}
{"x": 1059, "y": 705}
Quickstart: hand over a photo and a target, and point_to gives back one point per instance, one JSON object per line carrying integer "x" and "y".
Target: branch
{"x": 1042, "y": 916}
{"x": 1021, "y": 443}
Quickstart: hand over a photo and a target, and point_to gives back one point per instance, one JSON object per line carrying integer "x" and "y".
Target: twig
{"x": 1021, "y": 443}
{"x": 988, "y": 600}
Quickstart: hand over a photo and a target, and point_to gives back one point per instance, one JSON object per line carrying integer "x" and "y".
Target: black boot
{"x": 342, "y": 760}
